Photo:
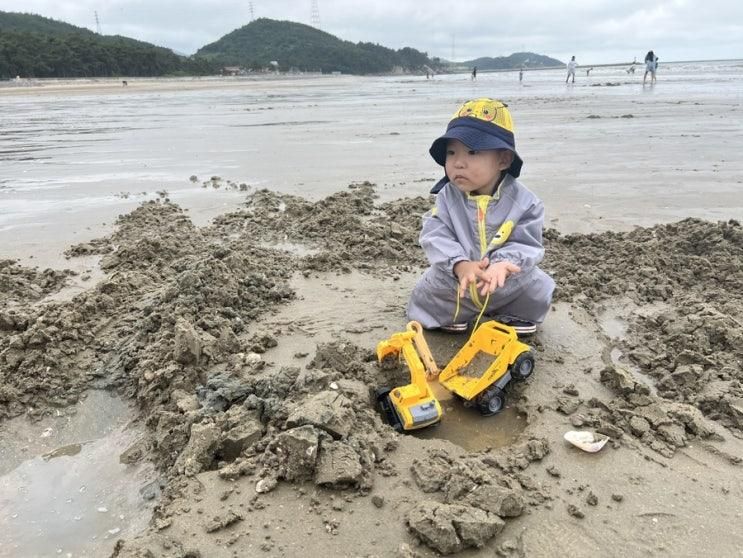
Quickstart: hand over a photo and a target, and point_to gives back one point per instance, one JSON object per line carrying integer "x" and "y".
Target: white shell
{"x": 265, "y": 485}
{"x": 587, "y": 441}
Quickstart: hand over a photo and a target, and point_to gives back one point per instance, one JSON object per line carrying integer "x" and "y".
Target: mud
{"x": 690, "y": 276}
{"x": 178, "y": 325}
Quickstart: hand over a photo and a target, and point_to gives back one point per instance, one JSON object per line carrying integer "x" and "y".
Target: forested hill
{"x": 12, "y": 21}
{"x": 514, "y": 61}
{"x": 35, "y": 46}
{"x": 297, "y": 46}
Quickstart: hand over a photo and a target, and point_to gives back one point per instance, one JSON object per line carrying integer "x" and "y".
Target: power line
{"x": 315, "y": 16}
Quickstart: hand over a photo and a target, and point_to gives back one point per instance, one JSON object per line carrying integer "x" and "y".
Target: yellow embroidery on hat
{"x": 488, "y": 110}
{"x": 502, "y": 235}
{"x": 434, "y": 211}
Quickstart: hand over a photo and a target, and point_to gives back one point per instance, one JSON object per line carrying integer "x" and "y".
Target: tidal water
{"x": 72, "y": 159}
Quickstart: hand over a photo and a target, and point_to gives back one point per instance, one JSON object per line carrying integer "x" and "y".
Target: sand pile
{"x": 347, "y": 228}
{"x": 690, "y": 275}
{"x": 175, "y": 325}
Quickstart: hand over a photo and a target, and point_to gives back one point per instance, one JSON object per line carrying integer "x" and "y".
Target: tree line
{"x": 301, "y": 47}
{"x": 41, "y": 55}
{"x": 39, "y": 47}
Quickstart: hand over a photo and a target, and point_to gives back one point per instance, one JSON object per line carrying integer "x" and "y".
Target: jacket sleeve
{"x": 524, "y": 245}
{"x": 438, "y": 239}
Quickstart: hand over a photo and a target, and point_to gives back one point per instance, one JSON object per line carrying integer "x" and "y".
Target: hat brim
{"x": 474, "y": 139}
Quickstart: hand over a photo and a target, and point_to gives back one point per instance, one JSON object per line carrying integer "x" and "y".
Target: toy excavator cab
{"x": 509, "y": 359}
{"x": 411, "y": 406}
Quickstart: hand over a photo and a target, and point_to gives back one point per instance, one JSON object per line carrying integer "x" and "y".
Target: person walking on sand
{"x": 474, "y": 73}
{"x": 483, "y": 238}
{"x": 651, "y": 65}
{"x": 521, "y": 75}
{"x": 572, "y": 65}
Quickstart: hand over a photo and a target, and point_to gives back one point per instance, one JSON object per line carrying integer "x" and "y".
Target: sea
{"x": 75, "y": 154}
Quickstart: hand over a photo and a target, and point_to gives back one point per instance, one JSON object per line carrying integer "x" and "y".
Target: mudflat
{"x": 246, "y": 342}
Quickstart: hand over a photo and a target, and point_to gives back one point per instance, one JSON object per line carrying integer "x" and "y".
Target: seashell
{"x": 266, "y": 485}
{"x": 587, "y": 441}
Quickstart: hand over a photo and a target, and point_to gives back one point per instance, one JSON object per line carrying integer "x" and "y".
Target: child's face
{"x": 475, "y": 172}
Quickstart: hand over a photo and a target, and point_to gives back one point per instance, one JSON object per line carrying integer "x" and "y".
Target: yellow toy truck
{"x": 509, "y": 359}
{"x": 414, "y": 406}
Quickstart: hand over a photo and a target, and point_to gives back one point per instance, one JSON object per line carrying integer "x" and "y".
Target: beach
{"x": 224, "y": 256}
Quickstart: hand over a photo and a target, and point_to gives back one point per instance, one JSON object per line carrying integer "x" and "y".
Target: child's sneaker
{"x": 455, "y": 328}
{"x": 522, "y": 327}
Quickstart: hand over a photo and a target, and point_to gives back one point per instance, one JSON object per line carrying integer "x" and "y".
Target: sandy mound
{"x": 175, "y": 325}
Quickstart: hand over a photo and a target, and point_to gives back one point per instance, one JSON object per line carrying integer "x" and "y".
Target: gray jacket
{"x": 505, "y": 226}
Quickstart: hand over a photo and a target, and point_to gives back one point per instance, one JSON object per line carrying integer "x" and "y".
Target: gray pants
{"x": 525, "y": 296}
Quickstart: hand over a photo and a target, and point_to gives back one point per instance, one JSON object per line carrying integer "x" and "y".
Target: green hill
{"x": 301, "y": 47}
{"x": 36, "y": 46}
{"x": 514, "y": 61}
{"x": 30, "y": 23}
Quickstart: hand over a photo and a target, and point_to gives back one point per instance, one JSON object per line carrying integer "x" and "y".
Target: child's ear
{"x": 506, "y": 158}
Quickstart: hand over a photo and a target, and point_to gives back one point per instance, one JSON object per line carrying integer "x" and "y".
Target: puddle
{"x": 63, "y": 490}
{"x": 613, "y": 324}
{"x": 467, "y": 428}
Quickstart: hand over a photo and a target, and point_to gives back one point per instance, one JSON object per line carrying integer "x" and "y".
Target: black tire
{"x": 387, "y": 409}
{"x": 522, "y": 367}
{"x": 491, "y": 401}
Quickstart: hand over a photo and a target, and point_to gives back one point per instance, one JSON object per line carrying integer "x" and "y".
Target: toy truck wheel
{"x": 523, "y": 366}
{"x": 491, "y": 401}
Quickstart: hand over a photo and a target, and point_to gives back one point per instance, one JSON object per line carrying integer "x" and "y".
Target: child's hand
{"x": 469, "y": 272}
{"x": 494, "y": 276}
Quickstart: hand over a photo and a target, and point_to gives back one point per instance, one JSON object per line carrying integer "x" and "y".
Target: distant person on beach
{"x": 483, "y": 238}
{"x": 572, "y": 65}
{"x": 651, "y": 65}
{"x": 474, "y": 73}
{"x": 588, "y": 72}
{"x": 521, "y": 75}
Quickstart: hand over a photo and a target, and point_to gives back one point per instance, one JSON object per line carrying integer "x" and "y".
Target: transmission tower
{"x": 252, "y": 13}
{"x": 315, "y": 17}
{"x": 97, "y": 23}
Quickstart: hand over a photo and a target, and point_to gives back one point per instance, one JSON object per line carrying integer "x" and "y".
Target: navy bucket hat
{"x": 480, "y": 124}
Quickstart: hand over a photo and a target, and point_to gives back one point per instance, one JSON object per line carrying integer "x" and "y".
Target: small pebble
{"x": 575, "y": 511}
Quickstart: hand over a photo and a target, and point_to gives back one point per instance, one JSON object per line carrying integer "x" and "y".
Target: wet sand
{"x": 251, "y": 367}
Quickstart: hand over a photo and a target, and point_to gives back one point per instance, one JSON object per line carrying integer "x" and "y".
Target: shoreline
{"x": 151, "y": 84}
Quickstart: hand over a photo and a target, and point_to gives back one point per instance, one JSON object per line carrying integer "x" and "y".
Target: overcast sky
{"x": 595, "y": 31}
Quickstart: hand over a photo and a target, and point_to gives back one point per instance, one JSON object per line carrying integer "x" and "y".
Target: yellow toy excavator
{"x": 411, "y": 406}
{"x": 414, "y": 406}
